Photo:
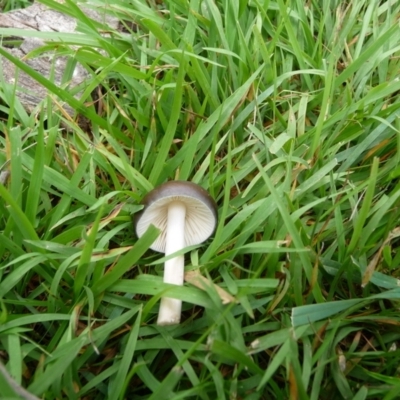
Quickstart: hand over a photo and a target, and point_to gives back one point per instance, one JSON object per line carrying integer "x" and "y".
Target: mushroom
{"x": 186, "y": 215}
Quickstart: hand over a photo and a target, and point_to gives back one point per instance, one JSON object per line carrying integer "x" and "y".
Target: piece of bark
{"x": 39, "y": 17}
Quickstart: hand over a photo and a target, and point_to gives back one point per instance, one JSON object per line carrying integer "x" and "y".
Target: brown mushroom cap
{"x": 200, "y": 217}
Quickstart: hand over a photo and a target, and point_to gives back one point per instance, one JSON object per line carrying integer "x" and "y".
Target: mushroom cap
{"x": 200, "y": 217}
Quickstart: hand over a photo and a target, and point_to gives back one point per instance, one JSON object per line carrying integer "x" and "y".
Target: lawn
{"x": 288, "y": 113}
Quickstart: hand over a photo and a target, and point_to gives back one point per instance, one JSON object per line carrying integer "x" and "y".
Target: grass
{"x": 288, "y": 114}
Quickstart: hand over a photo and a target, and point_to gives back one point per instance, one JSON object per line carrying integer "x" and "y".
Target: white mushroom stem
{"x": 170, "y": 309}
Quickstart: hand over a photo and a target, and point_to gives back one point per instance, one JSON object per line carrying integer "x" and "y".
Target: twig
{"x": 15, "y": 386}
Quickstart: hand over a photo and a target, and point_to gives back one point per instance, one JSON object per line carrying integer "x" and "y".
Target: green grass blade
{"x": 127, "y": 261}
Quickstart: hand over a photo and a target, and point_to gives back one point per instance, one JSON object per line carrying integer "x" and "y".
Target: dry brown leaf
{"x": 203, "y": 283}
{"x": 106, "y": 220}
